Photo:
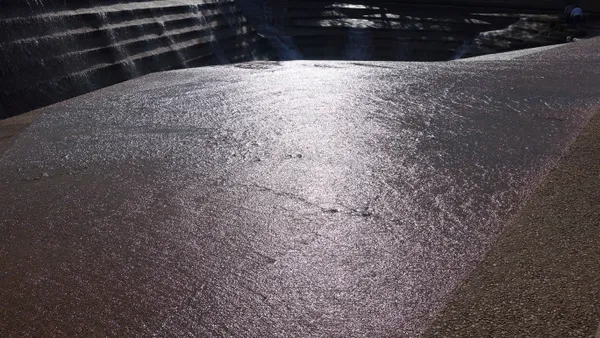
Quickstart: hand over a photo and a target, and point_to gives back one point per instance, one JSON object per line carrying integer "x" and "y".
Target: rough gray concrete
{"x": 265, "y": 199}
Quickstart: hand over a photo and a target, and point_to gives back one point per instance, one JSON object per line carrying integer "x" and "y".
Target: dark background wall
{"x": 430, "y": 30}
{"x": 518, "y": 5}
{"x": 51, "y": 50}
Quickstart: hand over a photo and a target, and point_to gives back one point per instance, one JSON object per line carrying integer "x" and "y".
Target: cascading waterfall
{"x": 52, "y": 50}
{"x": 37, "y": 3}
{"x": 212, "y": 39}
{"x": 120, "y": 53}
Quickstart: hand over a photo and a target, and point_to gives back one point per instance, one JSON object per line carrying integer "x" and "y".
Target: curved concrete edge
{"x": 509, "y": 55}
{"x": 541, "y": 277}
{"x": 10, "y": 128}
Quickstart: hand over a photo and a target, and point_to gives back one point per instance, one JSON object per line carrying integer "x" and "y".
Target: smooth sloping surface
{"x": 321, "y": 198}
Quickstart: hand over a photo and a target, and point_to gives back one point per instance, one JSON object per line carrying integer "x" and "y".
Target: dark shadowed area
{"x": 52, "y": 50}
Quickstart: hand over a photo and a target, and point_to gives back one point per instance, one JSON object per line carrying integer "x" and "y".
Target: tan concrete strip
{"x": 542, "y": 278}
{"x": 12, "y": 127}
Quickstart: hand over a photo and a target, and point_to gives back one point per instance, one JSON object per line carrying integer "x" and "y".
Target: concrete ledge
{"x": 12, "y": 127}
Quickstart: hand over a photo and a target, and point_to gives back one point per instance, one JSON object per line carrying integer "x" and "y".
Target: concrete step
{"x": 164, "y": 21}
{"x": 114, "y": 53}
{"x": 181, "y": 55}
{"x": 48, "y": 49}
{"x": 40, "y": 10}
{"x": 36, "y": 27}
{"x": 123, "y": 53}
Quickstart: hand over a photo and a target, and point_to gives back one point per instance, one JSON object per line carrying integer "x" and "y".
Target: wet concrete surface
{"x": 276, "y": 199}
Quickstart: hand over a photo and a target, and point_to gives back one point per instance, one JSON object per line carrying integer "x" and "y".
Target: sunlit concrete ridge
{"x": 300, "y": 198}
{"x": 296, "y": 198}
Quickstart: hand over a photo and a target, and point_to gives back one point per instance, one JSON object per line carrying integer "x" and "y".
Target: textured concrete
{"x": 10, "y": 128}
{"x": 542, "y": 277}
{"x": 301, "y": 198}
